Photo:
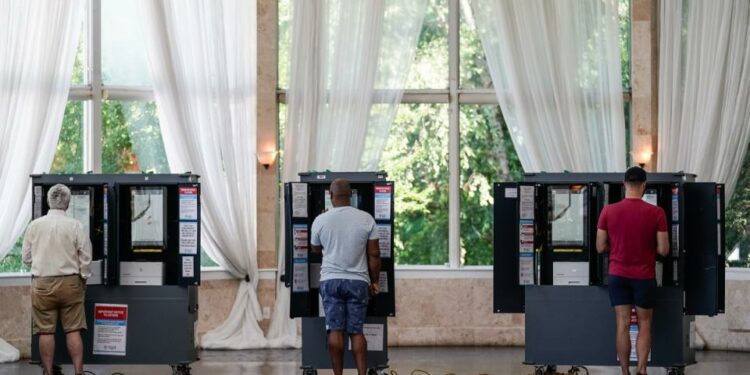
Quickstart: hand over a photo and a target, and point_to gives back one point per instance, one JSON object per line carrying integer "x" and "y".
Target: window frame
{"x": 454, "y": 96}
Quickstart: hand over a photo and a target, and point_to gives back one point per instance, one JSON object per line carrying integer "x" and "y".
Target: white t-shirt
{"x": 343, "y": 232}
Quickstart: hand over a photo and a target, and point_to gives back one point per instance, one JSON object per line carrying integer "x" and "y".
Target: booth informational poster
{"x": 383, "y": 202}
{"x": 299, "y": 200}
{"x": 374, "y": 335}
{"x": 110, "y": 329}
{"x": 188, "y": 237}
{"x": 384, "y": 239}
{"x": 188, "y": 203}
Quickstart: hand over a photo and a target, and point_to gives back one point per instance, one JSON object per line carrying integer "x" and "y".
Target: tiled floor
{"x": 435, "y": 361}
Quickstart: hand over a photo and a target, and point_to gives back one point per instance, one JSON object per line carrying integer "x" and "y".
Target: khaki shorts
{"x": 57, "y": 296}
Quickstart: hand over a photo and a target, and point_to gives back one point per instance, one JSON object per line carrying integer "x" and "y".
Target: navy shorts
{"x": 345, "y": 304}
{"x": 627, "y": 291}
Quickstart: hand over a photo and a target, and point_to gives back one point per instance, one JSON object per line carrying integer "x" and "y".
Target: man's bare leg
{"x": 75, "y": 348}
{"x": 359, "y": 349}
{"x": 47, "y": 351}
{"x": 643, "y": 344}
{"x": 622, "y": 316}
{"x": 336, "y": 351}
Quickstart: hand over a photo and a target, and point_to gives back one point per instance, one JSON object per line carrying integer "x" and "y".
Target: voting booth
{"x": 547, "y": 267}
{"x": 304, "y": 201}
{"x": 142, "y": 299}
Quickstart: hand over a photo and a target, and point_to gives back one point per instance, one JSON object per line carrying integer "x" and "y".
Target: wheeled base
{"x": 579, "y": 370}
{"x": 370, "y": 371}
{"x": 181, "y": 369}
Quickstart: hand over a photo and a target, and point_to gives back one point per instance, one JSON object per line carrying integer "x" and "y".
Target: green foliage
{"x": 737, "y": 220}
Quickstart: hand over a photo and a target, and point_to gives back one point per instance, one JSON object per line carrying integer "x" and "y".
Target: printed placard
{"x": 675, "y": 204}
{"x": 527, "y": 203}
{"x": 374, "y": 335}
{"x": 383, "y": 282}
{"x": 511, "y": 193}
{"x": 188, "y": 203}
{"x": 37, "y": 202}
{"x": 110, "y": 329}
{"x": 300, "y": 280}
{"x": 300, "y": 236}
{"x": 526, "y": 269}
{"x": 384, "y": 239}
{"x": 675, "y": 240}
{"x": 189, "y": 238}
{"x": 383, "y": 196}
{"x": 299, "y": 200}
{"x": 188, "y": 267}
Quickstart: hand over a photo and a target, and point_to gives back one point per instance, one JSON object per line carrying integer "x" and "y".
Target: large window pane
{"x": 131, "y": 140}
{"x": 285, "y": 41}
{"x": 624, "y": 17}
{"x": 474, "y": 70}
{"x": 79, "y": 66}
{"x": 69, "y": 153}
{"x": 416, "y": 160}
{"x": 738, "y": 219}
{"x": 487, "y": 156}
{"x": 430, "y": 69}
{"x": 123, "y": 47}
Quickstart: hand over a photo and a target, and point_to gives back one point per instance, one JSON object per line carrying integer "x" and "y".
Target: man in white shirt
{"x": 347, "y": 238}
{"x": 58, "y": 249}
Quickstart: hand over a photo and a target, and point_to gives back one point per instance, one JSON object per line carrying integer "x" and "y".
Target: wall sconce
{"x": 266, "y": 158}
{"x": 643, "y": 157}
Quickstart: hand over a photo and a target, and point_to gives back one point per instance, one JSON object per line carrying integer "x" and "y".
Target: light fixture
{"x": 643, "y": 157}
{"x": 266, "y": 158}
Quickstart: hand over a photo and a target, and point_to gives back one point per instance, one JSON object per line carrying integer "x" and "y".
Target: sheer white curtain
{"x": 704, "y": 88}
{"x": 38, "y": 41}
{"x": 202, "y": 56}
{"x": 349, "y": 64}
{"x": 556, "y": 70}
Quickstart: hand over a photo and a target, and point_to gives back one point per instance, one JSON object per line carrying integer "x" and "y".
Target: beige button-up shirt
{"x": 57, "y": 245}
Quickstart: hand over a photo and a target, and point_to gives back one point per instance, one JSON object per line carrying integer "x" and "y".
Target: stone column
{"x": 267, "y": 140}
{"x": 644, "y": 78}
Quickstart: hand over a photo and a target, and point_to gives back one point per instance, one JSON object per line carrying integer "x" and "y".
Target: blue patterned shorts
{"x": 345, "y": 304}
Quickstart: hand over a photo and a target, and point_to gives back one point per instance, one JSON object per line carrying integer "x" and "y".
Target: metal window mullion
{"x": 454, "y": 196}
{"x": 92, "y": 140}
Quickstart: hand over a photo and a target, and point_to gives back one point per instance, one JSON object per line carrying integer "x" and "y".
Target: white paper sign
{"x": 299, "y": 200}
{"x": 299, "y": 238}
{"x": 188, "y": 267}
{"x": 526, "y": 269}
{"x": 110, "y": 329}
{"x": 384, "y": 239}
{"x": 189, "y": 238}
{"x": 37, "y": 202}
{"x": 300, "y": 278}
{"x": 374, "y": 335}
{"x": 383, "y": 195}
{"x": 511, "y": 193}
{"x": 527, "y": 203}
{"x": 383, "y": 282}
{"x": 188, "y": 203}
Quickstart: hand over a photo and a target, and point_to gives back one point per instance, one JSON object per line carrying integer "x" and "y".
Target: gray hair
{"x": 58, "y": 197}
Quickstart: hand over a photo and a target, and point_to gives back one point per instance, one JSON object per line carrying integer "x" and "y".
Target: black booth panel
{"x": 306, "y": 303}
{"x": 702, "y": 249}
{"x": 508, "y": 293}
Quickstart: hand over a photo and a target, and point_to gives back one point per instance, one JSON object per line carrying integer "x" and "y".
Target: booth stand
{"x": 547, "y": 267}
{"x": 142, "y": 300}
{"x": 304, "y": 201}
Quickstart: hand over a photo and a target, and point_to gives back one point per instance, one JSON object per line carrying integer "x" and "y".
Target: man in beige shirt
{"x": 58, "y": 249}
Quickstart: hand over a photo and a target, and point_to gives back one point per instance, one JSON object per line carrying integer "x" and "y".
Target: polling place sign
{"x": 110, "y": 329}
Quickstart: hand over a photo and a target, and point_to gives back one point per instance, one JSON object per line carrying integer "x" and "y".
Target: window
{"x": 443, "y": 203}
{"x": 737, "y": 219}
{"x": 111, "y": 122}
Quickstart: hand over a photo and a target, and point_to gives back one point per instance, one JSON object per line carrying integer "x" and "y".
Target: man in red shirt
{"x": 633, "y": 232}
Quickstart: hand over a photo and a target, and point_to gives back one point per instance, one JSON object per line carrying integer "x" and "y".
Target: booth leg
{"x": 676, "y": 370}
{"x": 309, "y": 371}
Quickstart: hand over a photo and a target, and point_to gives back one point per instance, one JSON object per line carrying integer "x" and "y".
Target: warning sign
{"x": 110, "y": 329}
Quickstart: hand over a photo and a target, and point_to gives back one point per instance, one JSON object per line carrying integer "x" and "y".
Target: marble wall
{"x": 430, "y": 312}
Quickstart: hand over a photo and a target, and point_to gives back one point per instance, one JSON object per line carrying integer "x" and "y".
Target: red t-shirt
{"x": 631, "y": 226}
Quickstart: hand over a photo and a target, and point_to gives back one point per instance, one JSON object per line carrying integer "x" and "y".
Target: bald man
{"x": 346, "y": 236}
